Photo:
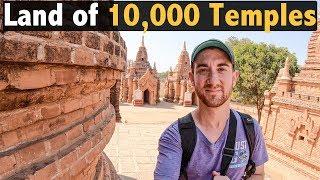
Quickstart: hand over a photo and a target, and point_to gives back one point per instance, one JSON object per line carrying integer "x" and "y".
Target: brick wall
{"x": 56, "y": 116}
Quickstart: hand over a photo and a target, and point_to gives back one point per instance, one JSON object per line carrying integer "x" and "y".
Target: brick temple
{"x": 140, "y": 82}
{"x": 58, "y": 103}
{"x": 177, "y": 86}
{"x": 291, "y": 117}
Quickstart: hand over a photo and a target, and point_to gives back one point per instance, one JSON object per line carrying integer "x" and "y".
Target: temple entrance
{"x": 194, "y": 98}
{"x": 146, "y": 96}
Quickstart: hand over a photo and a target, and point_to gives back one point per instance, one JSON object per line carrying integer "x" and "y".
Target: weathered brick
{"x": 18, "y": 118}
{"x": 84, "y": 56}
{"x": 3, "y": 85}
{"x": 74, "y": 132}
{"x": 51, "y": 110}
{"x": 116, "y": 36}
{"x": 83, "y": 149}
{"x": 109, "y": 47}
{"x": 10, "y": 138}
{"x": 58, "y": 142}
{"x": 78, "y": 167}
{"x": 95, "y": 140}
{"x": 122, "y": 53}
{"x": 95, "y": 98}
{"x": 117, "y": 50}
{"x": 94, "y": 153}
{"x": 15, "y": 50}
{"x": 89, "y": 170}
{"x": 66, "y": 76}
{"x": 41, "y": 34}
{"x": 103, "y": 144}
{"x": 31, "y": 79}
{"x": 56, "y": 124}
{"x": 30, "y": 153}
{"x": 74, "y": 90}
{"x": 92, "y": 41}
{"x": 7, "y": 163}
{"x": 88, "y": 75}
{"x": 74, "y": 116}
{"x": 65, "y": 175}
{"x": 104, "y": 94}
{"x": 107, "y": 33}
{"x": 57, "y": 54}
{"x": 32, "y": 131}
{"x": 102, "y": 58}
{"x": 109, "y": 129}
{"x": 47, "y": 172}
{"x": 88, "y": 110}
{"x": 116, "y": 74}
{"x": 71, "y": 105}
{"x": 98, "y": 119}
{"x": 86, "y": 101}
{"x": 74, "y": 37}
{"x": 88, "y": 125}
{"x": 1, "y": 24}
{"x": 110, "y": 74}
{"x": 68, "y": 160}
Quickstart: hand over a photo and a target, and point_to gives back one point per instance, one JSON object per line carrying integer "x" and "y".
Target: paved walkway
{"x": 133, "y": 146}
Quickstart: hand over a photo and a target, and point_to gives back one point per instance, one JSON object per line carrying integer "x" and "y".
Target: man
{"x": 213, "y": 77}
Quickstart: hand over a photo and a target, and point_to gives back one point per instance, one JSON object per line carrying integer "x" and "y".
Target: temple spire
{"x": 287, "y": 67}
{"x": 142, "y": 41}
{"x": 285, "y": 71}
{"x": 184, "y": 46}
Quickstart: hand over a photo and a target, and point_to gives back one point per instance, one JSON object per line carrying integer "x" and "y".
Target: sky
{"x": 164, "y": 47}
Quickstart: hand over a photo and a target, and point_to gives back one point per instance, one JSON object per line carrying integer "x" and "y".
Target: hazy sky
{"x": 164, "y": 48}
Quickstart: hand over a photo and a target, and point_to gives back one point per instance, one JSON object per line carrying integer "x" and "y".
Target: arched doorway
{"x": 146, "y": 95}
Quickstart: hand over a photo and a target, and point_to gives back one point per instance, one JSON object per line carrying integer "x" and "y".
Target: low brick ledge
{"x": 32, "y": 168}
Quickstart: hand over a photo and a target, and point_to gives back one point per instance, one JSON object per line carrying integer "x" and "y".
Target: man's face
{"x": 213, "y": 77}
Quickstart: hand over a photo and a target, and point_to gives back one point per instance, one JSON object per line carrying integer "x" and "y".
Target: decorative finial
{"x": 142, "y": 41}
{"x": 285, "y": 71}
{"x": 287, "y": 63}
{"x": 184, "y": 46}
{"x": 154, "y": 65}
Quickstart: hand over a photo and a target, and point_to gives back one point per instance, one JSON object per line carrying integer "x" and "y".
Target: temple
{"x": 178, "y": 88}
{"x": 140, "y": 83}
{"x": 291, "y": 116}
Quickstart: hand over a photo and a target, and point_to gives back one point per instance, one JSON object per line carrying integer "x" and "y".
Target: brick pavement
{"x": 133, "y": 146}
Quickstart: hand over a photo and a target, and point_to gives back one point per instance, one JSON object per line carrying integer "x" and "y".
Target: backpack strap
{"x": 188, "y": 133}
{"x": 248, "y": 125}
{"x": 228, "y": 150}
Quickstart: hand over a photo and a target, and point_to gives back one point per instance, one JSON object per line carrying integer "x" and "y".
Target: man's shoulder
{"x": 172, "y": 132}
{"x": 240, "y": 116}
{"x": 256, "y": 124}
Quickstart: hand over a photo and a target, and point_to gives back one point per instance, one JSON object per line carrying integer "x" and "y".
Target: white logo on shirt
{"x": 240, "y": 157}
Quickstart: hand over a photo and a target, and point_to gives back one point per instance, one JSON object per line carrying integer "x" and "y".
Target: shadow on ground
{"x": 161, "y": 104}
{"x": 122, "y": 177}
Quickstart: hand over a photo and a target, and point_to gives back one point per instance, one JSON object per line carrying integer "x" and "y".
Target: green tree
{"x": 259, "y": 64}
{"x": 163, "y": 75}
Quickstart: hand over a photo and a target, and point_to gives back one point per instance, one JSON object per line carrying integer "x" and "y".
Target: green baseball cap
{"x": 213, "y": 43}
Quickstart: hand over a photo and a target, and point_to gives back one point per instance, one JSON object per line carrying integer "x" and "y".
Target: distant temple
{"x": 178, "y": 88}
{"x": 140, "y": 83}
{"x": 291, "y": 116}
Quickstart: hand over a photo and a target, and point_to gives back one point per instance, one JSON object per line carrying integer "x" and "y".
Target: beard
{"x": 213, "y": 100}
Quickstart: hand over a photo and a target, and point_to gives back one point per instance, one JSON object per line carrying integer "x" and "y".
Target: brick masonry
{"x": 291, "y": 116}
{"x": 59, "y": 96}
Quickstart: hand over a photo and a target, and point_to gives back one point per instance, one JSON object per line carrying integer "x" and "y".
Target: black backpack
{"x": 188, "y": 133}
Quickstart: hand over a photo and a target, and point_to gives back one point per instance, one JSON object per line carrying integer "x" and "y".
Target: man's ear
{"x": 235, "y": 77}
